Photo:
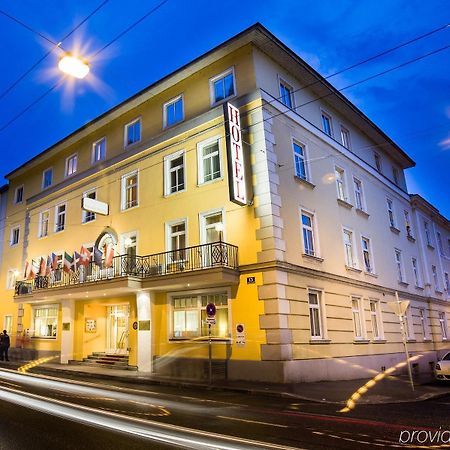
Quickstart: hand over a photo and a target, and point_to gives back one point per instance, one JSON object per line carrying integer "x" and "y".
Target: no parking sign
{"x": 240, "y": 335}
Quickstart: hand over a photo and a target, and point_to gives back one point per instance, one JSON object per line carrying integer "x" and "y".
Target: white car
{"x": 442, "y": 368}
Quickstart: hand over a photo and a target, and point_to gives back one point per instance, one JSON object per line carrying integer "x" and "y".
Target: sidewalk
{"x": 393, "y": 389}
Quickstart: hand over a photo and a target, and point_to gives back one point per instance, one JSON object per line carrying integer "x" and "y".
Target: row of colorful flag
{"x": 45, "y": 266}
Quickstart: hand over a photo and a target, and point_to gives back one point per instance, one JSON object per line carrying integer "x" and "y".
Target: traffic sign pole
{"x": 210, "y": 353}
{"x": 210, "y": 319}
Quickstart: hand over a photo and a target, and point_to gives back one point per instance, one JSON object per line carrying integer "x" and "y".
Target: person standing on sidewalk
{"x": 4, "y": 346}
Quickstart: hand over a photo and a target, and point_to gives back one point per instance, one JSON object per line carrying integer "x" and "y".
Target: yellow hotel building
{"x": 301, "y": 272}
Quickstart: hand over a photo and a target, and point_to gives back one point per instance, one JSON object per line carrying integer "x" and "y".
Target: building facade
{"x": 293, "y": 218}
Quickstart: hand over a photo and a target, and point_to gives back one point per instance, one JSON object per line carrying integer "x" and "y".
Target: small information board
{"x": 240, "y": 335}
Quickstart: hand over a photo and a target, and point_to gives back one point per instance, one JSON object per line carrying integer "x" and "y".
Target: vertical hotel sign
{"x": 236, "y": 165}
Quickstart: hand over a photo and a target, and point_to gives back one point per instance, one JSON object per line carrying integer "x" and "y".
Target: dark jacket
{"x": 4, "y": 340}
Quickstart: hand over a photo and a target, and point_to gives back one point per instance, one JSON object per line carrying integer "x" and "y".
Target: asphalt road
{"x": 97, "y": 415}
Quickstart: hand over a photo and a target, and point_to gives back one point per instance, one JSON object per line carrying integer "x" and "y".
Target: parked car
{"x": 442, "y": 368}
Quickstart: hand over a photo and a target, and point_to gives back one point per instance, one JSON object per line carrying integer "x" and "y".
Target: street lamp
{"x": 71, "y": 65}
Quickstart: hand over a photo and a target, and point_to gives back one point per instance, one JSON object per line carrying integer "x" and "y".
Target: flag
{"x": 85, "y": 256}
{"x": 26, "y": 272}
{"x": 54, "y": 261}
{"x": 42, "y": 267}
{"x": 76, "y": 260}
{"x": 48, "y": 269}
{"x": 98, "y": 255}
{"x": 109, "y": 256}
{"x": 33, "y": 270}
{"x": 68, "y": 262}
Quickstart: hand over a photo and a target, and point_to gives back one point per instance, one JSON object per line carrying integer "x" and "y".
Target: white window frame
{"x": 345, "y": 137}
{"x": 378, "y": 317}
{"x": 57, "y": 216}
{"x": 169, "y": 234}
{"x": 41, "y": 222}
{"x": 200, "y": 146}
{"x": 290, "y": 89}
{"x": 354, "y": 263}
{"x": 424, "y": 322}
{"x": 408, "y": 226}
{"x": 94, "y": 159}
{"x": 171, "y": 102}
{"x": 43, "y": 178}
{"x": 11, "y": 236}
{"x": 359, "y": 311}
{"x": 15, "y": 194}
{"x": 341, "y": 181}
{"x": 370, "y": 254}
{"x": 123, "y": 190}
{"x": 33, "y": 318}
{"x": 11, "y": 278}
{"x": 320, "y": 307}
{"x": 378, "y": 162}
{"x": 8, "y": 323}
{"x": 439, "y": 243}
{"x": 427, "y": 233}
{"x": 167, "y": 172}
{"x": 125, "y": 134}
{"x": 303, "y": 158}
{"x": 391, "y": 212}
{"x": 442, "y": 318}
{"x": 216, "y": 78}
{"x": 435, "y": 275}
{"x": 325, "y": 115}
{"x": 400, "y": 267}
{"x": 73, "y": 156}
{"x": 362, "y": 206}
{"x": 86, "y": 214}
{"x": 202, "y": 220}
{"x": 314, "y": 233}
{"x": 416, "y": 272}
{"x": 408, "y": 324}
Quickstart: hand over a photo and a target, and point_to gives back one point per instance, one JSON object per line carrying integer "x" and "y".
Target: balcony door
{"x": 209, "y": 234}
{"x": 117, "y": 329}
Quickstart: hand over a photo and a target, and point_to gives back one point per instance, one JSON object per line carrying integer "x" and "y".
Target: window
{"x": 408, "y": 225}
{"x": 18, "y": 195}
{"x": 399, "y": 264}
{"x": 174, "y": 178}
{"x": 315, "y": 314}
{"x": 60, "y": 217}
{"x": 99, "y": 150}
{"x": 416, "y": 272}
{"x": 47, "y": 178}
{"x": 427, "y": 233}
{"x": 222, "y": 86}
{"x": 130, "y": 190}
{"x": 340, "y": 183}
{"x": 44, "y": 220}
{"x": 443, "y": 325}
{"x": 286, "y": 94}
{"x": 395, "y": 175}
{"x": 133, "y": 132}
{"x": 173, "y": 111}
{"x": 11, "y": 278}
{"x": 359, "y": 196}
{"x": 350, "y": 260}
{"x": 407, "y": 324}
{"x": 88, "y": 216}
{"x": 308, "y": 234}
{"x": 375, "y": 318}
{"x": 209, "y": 160}
{"x": 299, "y": 161}
{"x": 435, "y": 279}
{"x": 367, "y": 254}
{"x": 71, "y": 165}
{"x": 189, "y": 316}
{"x": 357, "y": 314}
{"x": 345, "y": 137}
{"x": 45, "y": 321}
{"x": 176, "y": 240}
{"x": 390, "y": 209}
{"x": 326, "y": 124}
{"x": 447, "y": 282}
{"x": 14, "y": 237}
{"x": 439, "y": 242}
{"x": 7, "y": 323}
{"x": 424, "y": 323}
{"x": 377, "y": 159}
{"x": 208, "y": 223}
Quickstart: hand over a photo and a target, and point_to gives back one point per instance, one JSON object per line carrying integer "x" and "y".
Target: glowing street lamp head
{"x": 73, "y": 66}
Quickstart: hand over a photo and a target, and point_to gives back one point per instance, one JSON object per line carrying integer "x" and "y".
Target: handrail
{"x": 188, "y": 259}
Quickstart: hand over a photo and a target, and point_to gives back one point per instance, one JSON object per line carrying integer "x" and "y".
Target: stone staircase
{"x": 106, "y": 360}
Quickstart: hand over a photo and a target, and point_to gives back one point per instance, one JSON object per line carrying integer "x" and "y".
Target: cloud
{"x": 445, "y": 144}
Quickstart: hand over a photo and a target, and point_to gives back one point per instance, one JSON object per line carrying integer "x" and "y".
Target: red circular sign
{"x": 240, "y": 328}
{"x": 210, "y": 309}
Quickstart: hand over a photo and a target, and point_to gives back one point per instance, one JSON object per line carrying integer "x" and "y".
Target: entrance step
{"x": 106, "y": 360}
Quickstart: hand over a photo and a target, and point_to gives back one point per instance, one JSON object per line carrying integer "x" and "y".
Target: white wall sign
{"x": 95, "y": 206}
{"x": 236, "y": 164}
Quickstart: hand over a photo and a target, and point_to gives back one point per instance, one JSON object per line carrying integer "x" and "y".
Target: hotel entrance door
{"x": 117, "y": 329}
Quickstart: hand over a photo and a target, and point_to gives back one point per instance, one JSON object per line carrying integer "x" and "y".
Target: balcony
{"x": 166, "y": 269}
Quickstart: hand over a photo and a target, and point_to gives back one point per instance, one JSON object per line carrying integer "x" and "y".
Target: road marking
{"x": 253, "y": 421}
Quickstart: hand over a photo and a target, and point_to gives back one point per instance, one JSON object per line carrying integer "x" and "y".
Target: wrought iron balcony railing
{"x": 198, "y": 257}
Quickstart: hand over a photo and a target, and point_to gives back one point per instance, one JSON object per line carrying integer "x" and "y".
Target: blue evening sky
{"x": 411, "y": 105}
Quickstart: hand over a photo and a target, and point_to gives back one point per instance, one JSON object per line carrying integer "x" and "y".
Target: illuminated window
{"x": 132, "y": 132}
{"x": 174, "y": 173}
{"x": 71, "y": 165}
{"x": 99, "y": 150}
{"x": 45, "y": 321}
{"x": 7, "y": 323}
{"x": 173, "y": 111}
{"x": 60, "y": 218}
{"x": 327, "y": 124}
{"x": 11, "y": 278}
{"x": 315, "y": 314}
{"x": 189, "y": 316}
{"x": 209, "y": 160}
{"x": 286, "y": 94}
{"x": 14, "y": 236}
{"x": 339, "y": 175}
{"x": 222, "y": 86}
{"x": 129, "y": 190}
{"x": 44, "y": 220}
{"x": 18, "y": 195}
{"x": 357, "y": 313}
{"x": 300, "y": 161}
{"x": 88, "y": 216}
{"x": 47, "y": 178}
{"x": 176, "y": 240}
